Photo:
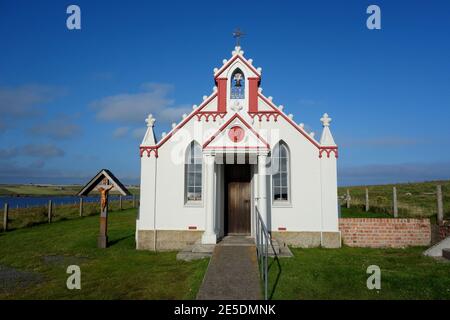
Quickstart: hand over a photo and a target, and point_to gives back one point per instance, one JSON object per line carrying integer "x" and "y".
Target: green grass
{"x": 356, "y": 212}
{"x": 27, "y": 217}
{"x": 45, "y": 190}
{"x": 118, "y": 272}
{"x": 341, "y": 274}
{"x": 414, "y": 199}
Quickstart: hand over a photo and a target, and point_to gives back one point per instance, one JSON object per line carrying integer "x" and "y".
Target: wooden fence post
{"x": 5, "y": 218}
{"x": 50, "y": 207}
{"x": 367, "y": 199}
{"x": 440, "y": 205}
{"x": 120, "y": 202}
{"x": 81, "y": 207}
{"x": 394, "y": 201}
{"x": 348, "y": 199}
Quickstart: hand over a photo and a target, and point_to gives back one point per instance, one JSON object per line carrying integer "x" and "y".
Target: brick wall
{"x": 379, "y": 233}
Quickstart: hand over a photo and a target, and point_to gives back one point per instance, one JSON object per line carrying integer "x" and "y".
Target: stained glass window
{"x": 280, "y": 172}
{"x": 237, "y": 85}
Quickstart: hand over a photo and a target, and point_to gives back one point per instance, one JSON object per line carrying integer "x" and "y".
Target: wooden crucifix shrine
{"x": 104, "y": 182}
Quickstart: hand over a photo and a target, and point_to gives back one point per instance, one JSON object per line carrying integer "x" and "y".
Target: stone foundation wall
{"x": 382, "y": 233}
{"x": 166, "y": 239}
{"x": 307, "y": 239}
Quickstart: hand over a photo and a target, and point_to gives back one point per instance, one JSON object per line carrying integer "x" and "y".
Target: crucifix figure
{"x": 237, "y": 34}
{"x": 104, "y": 196}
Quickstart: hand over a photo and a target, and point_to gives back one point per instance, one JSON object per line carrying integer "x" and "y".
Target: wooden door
{"x": 238, "y": 208}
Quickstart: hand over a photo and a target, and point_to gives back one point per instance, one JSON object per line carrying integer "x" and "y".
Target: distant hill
{"x": 45, "y": 190}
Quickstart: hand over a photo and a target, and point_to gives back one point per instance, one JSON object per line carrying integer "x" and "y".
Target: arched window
{"x": 193, "y": 172}
{"x": 237, "y": 85}
{"x": 280, "y": 172}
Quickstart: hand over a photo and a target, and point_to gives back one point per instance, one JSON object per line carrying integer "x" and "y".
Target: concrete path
{"x": 232, "y": 272}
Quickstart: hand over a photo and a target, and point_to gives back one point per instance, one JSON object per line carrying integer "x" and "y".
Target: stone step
{"x": 203, "y": 248}
{"x": 436, "y": 250}
{"x": 281, "y": 249}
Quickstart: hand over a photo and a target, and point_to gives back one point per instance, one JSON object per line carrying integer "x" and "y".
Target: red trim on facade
{"x": 225, "y": 66}
{"x": 222, "y": 95}
{"x": 282, "y": 229}
{"x": 192, "y": 227}
{"x": 226, "y": 125}
{"x": 289, "y": 120}
{"x": 266, "y": 114}
{"x": 149, "y": 150}
{"x": 234, "y": 147}
{"x": 208, "y": 114}
{"x": 328, "y": 151}
{"x": 253, "y": 94}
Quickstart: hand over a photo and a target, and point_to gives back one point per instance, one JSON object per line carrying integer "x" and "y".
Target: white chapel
{"x": 237, "y": 157}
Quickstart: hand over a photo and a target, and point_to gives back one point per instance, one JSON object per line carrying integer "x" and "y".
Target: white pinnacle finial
{"x": 325, "y": 120}
{"x": 150, "y": 120}
{"x": 174, "y": 125}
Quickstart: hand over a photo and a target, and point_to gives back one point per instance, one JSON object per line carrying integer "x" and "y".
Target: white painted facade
{"x": 311, "y": 205}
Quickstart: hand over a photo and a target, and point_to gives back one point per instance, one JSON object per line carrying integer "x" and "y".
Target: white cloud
{"x": 22, "y": 101}
{"x": 120, "y": 132}
{"x": 32, "y": 150}
{"x": 58, "y": 129}
{"x": 133, "y": 108}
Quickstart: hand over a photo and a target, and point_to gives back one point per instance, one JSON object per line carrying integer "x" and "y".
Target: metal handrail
{"x": 263, "y": 240}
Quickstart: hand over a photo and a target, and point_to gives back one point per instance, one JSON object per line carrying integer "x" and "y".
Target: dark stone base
{"x": 102, "y": 242}
{"x": 446, "y": 253}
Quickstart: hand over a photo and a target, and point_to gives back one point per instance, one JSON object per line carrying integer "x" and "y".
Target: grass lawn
{"x": 341, "y": 274}
{"x": 43, "y": 252}
{"x": 354, "y": 212}
{"x": 414, "y": 199}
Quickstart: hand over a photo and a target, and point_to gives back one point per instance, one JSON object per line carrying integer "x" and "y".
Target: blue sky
{"x": 73, "y": 102}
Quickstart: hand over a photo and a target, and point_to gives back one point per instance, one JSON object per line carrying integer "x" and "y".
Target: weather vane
{"x": 238, "y": 34}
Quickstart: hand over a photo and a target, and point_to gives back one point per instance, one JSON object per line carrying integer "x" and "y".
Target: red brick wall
{"x": 380, "y": 233}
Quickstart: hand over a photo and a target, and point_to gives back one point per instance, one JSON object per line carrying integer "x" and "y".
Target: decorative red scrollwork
{"x": 208, "y": 114}
{"x": 266, "y": 114}
{"x": 236, "y": 134}
{"x": 328, "y": 151}
{"x": 149, "y": 150}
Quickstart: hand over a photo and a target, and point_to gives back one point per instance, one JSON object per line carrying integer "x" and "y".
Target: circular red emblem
{"x": 236, "y": 134}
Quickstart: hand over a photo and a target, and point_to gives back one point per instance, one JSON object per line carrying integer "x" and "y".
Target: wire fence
{"x": 403, "y": 200}
{"x": 17, "y": 217}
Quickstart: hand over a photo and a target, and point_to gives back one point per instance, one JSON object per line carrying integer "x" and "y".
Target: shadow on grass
{"x": 116, "y": 241}
{"x": 275, "y": 262}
